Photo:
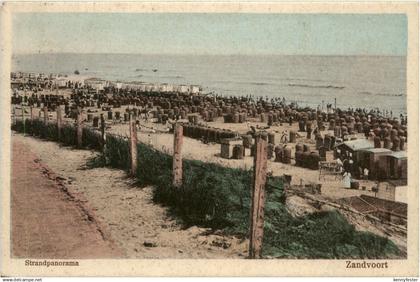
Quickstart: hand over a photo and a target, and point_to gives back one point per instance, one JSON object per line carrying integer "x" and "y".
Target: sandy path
{"x": 46, "y": 221}
{"x": 138, "y": 226}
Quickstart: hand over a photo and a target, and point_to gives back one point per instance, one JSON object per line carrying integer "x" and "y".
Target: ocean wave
{"x": 380, "y": 94}
{"x": 258, "y": 83}
{"x": 173, "y": 77}
{"x": 145, "y": 70}
{"x": 304, "y": 79}
{"x": 315, "y": 86}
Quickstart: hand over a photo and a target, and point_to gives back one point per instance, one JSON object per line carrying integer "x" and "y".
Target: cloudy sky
{"x": 316, "y": 34}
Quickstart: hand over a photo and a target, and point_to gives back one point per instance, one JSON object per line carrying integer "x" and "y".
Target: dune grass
{"x": 219, "y": 197}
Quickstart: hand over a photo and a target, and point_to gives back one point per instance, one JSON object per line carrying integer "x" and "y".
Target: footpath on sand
{"x": 47, "y": 221}
{"x": 63, "y": 209}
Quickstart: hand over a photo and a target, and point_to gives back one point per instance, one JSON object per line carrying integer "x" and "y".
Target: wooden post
{"x": 103, "y": 131}
{"x": 14, "y": 114}
{"x": 79, "y": 128}
{"x": 59, "y": 122}
{"x": 23, "y": 119}
{"x": 133, "y": 145}
{"x": 177, "y": 157}
{"x": 45, "y": 115}
{"x": 32, "y": 112}
{"x": 258, "y": 199}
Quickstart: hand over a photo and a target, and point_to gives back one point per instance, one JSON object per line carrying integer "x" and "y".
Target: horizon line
{"x": 207, "y": 54}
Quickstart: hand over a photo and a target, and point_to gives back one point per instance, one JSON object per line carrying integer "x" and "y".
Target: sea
{"x": 371, "y": 82}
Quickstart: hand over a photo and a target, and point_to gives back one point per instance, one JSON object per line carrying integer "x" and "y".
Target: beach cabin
{"x": 141, "y": 87}
{"x": 170, "y": 88}
{"x": 166, "y": 88}
{"x": 15, "y": 75}
{"x": 61, "y": 82}
{"x": 176, "y": 88}
{"x": 375, "y": 160}
{"x": 162, "y": 87}
{"x": 393, "y": 190}
{"x": 31, "y": 75}
{"x": 148, "y": 87}
{"x": 194, "y": 89}
{"x": 119, "y": 85}
{"x": 384, "y": 163}
{"x": 183, "y": 88}
{"x": 353, "y": 148}
{"x": 397, "y": 165}
{"x": 96, "y": 84}
{"x": 155, "y": 88}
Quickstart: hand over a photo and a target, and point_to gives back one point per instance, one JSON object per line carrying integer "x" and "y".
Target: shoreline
{"x": 144, "y": 86}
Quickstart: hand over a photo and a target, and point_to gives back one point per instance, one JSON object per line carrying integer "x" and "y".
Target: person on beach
{"x": 283, "y": 138}
{"x": 347, "y": 180}
{"x": 339, "y": 165}
{"x": 365, "y": 173}
{"x": 150, "y": 141}
{"x": 350, "y": 164}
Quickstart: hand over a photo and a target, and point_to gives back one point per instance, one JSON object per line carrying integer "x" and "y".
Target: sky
{"x": 251, "y": 34}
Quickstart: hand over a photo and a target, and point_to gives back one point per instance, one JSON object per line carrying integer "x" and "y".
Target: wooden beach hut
{"x": 384, "y": 164}
{"x": 353, "y": 148}
{"x": 393, "y": 190}
{"x": 96, "y": 84}
{"x": 397, "y": 165}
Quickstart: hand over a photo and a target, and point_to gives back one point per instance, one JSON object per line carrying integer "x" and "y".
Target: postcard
{"x": 209, "y": 139}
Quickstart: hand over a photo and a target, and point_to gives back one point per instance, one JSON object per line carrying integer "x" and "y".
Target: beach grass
{"x": 220, "y": 198}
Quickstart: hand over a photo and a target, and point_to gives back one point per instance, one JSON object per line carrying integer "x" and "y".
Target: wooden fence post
{"x": 103, "y": 131}
{"x": 45, "y": 115}
{"x": 133, "y": 145}
{"x": 79, "y": 128}
{"x": 23, "y": 119}
{"x": 14, "y": 114}
{"x": 177, "y": 157}
{"x": 258, "y": 199}
{"x": 59, "y": 122}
